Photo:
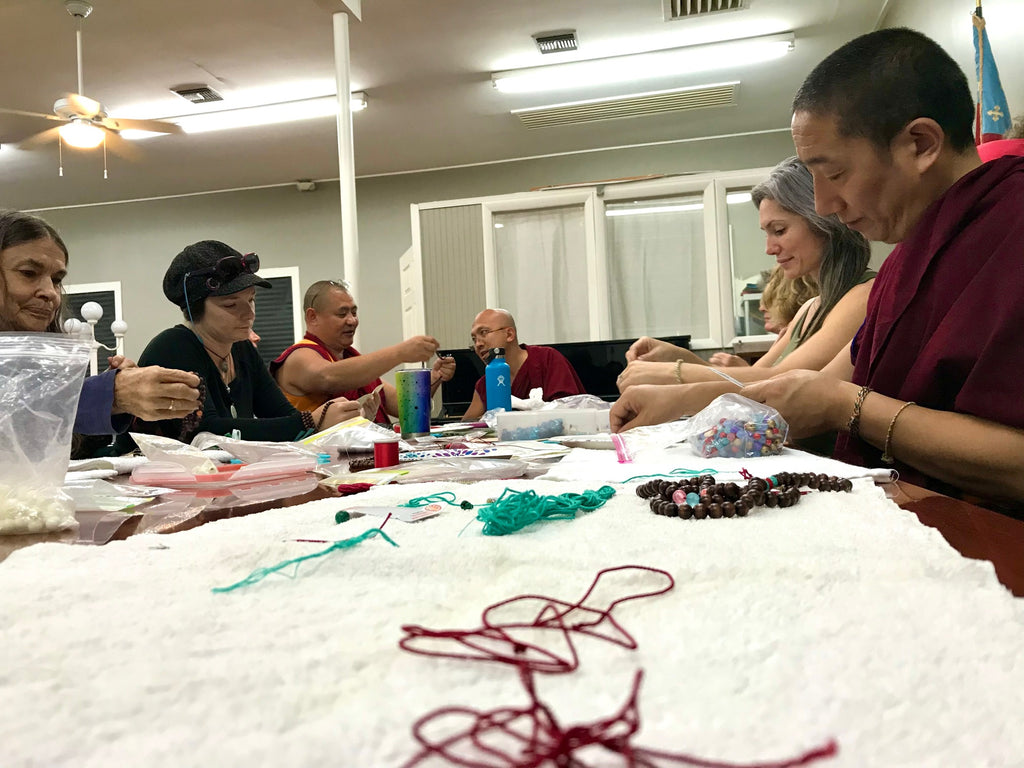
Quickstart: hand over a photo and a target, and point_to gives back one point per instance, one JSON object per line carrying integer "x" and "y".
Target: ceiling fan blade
{"x": 84, "y": 106}
{"x": 31, "y": 114}
{"x": 155, "y": 126}
{"x": 122, "y": 147}
{"x": 39, "y": 139}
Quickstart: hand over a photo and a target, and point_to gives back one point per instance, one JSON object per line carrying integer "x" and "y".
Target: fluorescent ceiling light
{"x": 654, "y": 209}
{"x": 645, "y": 66}
{"x": 265, "y": 114}
{"x": 82, "y": 134}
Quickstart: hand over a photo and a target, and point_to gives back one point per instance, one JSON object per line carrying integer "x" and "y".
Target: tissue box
{"x": 537, "y": 425}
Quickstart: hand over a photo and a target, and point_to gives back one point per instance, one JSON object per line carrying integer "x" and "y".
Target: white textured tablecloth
{"x": 839, "y": 618}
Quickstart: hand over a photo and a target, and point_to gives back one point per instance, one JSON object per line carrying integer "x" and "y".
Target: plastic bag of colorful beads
{"x": 736, "y": 427}
{"x": 42, "y": 381}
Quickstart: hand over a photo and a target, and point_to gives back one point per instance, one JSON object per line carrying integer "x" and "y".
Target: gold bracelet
{"x": 853, "y": 426}
{"x": 887, "y": 456}
{"x": 679, "y": 372}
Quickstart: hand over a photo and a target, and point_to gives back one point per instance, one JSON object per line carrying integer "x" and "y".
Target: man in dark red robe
{"x": 933, "y": 385}
{"x": 531, "y": 366}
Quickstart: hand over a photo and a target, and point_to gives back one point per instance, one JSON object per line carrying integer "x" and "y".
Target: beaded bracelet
{"x": 323, "y": 415}
{"x": 679, "y": 371}
{"x": 887, "y": 456}
{"x": 307, "y": 420}
{"x": 853, "y": 426}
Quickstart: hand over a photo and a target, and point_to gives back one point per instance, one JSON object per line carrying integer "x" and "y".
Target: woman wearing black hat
{"x": 215, "y": 286}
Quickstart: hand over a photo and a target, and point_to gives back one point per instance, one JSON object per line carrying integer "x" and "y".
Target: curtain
{"x": 657, "y": 270}
{"x": 542, "y": 273}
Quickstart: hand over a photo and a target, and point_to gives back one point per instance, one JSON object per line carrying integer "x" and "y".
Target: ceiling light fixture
{"x": 645, "y": 66}
{"x": 82, "y": 134}
{"x": 265, "y": 114}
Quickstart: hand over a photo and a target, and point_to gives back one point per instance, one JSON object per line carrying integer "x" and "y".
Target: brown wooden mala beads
{"x": 702, "y": 497}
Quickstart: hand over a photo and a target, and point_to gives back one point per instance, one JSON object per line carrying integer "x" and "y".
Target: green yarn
{"x": 445, "y": 497}
{"x": 514, "y": 510}
{"x": 261, "y": 573}
{"x": 677, "y": 472}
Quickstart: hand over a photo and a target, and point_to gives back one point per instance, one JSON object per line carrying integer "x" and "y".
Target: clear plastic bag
{"x": 733, "y": 426}
{"x": 167, "y": 449}
{"x": 251, "y": 451}
{"x": 461, "y": 470}
{"x": 352, "y": 437}
{"x": 42, "y": 382}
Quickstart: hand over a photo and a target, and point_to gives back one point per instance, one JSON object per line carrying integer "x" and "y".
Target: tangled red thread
{"x": 505, "y": 642}
{"x": 530, "y": 737}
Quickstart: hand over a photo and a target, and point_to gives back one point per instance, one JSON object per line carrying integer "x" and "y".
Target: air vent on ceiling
{"x": 688, "y": 9}
{"x": 200, "y": 94}
{"x": 637, "y": 105}
{"x": 557, "y": 42}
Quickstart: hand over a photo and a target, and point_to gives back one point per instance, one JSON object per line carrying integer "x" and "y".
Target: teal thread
{"x": 514, "y": 510}
{"x": 261, "y": 573}
{"x": 445, "y": 497}
{"x": 678, "y": 472}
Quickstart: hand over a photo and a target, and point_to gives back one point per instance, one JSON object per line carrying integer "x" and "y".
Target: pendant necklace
{"x": 223, "y": 364}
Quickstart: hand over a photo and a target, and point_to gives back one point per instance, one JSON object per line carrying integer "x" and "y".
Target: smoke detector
{"x": 557, "y": 42}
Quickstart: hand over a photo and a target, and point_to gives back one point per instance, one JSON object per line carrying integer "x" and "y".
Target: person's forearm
{"x": 355, "y": 372}
{"x": 979, "y": 456}
{"x": 700, "y": 373}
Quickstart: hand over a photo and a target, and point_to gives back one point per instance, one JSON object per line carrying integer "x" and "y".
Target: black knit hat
{"x": 213, "y": 269}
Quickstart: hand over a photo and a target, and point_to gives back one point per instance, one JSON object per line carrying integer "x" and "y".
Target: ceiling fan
{"x": 85, "y": 123}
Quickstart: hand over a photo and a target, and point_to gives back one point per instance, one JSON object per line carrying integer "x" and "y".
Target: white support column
{"x": 346, "y": 153}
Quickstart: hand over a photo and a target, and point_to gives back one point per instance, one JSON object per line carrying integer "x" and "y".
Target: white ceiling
{"x": 425, "y": 65}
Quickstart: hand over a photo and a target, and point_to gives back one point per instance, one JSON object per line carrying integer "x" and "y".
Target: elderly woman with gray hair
{"x": 803, "y": 244}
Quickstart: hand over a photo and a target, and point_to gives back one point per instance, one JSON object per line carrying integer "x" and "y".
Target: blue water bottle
{"x": 499, "y": 382}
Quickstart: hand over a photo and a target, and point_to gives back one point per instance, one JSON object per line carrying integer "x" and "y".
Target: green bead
{"x": 342, "y": 516}
{"x": 466, "y": 505}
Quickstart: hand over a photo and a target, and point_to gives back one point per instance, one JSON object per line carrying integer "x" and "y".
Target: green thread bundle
{"x": 261, "y": 573}
{"x": 514, "y": 510}
{"x": 444, "y": 497}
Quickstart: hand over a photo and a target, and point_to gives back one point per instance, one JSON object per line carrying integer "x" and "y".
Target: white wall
{"x": 948, "y": 22}
{"x": 134, "y": 242}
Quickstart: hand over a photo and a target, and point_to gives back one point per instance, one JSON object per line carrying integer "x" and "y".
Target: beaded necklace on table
{"x": 702, "y": 497}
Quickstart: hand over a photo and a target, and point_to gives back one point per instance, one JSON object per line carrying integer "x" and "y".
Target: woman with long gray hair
{"x": 803, "y": 244}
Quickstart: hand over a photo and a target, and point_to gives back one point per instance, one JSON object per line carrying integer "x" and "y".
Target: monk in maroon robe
{"x": 531, "y": 366}
{"x": 933, "y": 385}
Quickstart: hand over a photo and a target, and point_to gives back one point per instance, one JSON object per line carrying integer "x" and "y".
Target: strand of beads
{"x": 702, "y": 497}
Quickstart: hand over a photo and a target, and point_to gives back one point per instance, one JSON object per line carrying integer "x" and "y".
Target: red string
{"x": 529, "y": 737}
{"x": 497, "y": 641}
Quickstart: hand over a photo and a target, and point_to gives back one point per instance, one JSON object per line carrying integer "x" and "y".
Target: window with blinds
{"x": 105, "y": 299}
{"x": 275, "y": 313}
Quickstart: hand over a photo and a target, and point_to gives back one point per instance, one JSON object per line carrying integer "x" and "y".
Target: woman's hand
{"x": 153, "y": 393}
{"x": 809, "y": 401}
{"x": 654, "y": 350}
{"x": 725, "y": 360}
{"x": 647, "y": 404}
{"x": 643, "y": 372}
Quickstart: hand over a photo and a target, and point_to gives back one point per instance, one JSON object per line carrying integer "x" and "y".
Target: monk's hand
{"x": 153, "y": 393}
{"x": 647, "y": 404}
{"x": 418, "y": 349}
{"x": 644, "y": 372}
{"x": 656, "y": 350}
{"x": 809, "y": 401}
{"x": 443, "y": 370}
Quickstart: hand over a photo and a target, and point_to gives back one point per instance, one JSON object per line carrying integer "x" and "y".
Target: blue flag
{"x": 993, "y": 115}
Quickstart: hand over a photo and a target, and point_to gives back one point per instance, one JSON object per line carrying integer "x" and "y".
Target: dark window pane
{"x": 274, "y": 323}
{"x": 106, "y": 300}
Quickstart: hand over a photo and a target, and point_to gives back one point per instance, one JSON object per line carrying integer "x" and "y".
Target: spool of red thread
{"x": 385, "y": 453}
